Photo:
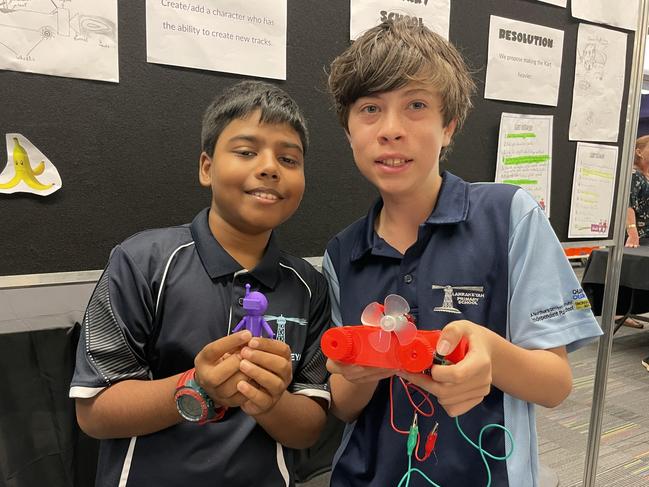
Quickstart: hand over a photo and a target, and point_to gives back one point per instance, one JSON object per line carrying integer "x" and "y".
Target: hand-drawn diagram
{"x": 599, "y": 84}
{"x": 75, "y": 38}
{"x": 593, "y": 58}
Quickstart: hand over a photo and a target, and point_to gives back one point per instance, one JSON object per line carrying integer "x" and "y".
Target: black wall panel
{"x": 128, "y": 152}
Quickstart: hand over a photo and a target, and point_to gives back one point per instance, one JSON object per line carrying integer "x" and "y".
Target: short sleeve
{"x": 115, "y": 330}
{"x": 311, "y": 377}
{"x": 547, "y": 306}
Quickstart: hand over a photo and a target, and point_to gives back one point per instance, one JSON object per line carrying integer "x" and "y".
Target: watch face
{"x": 189, "y": 407}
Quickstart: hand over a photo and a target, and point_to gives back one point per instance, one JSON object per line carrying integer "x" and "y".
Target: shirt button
{"x": 407, "y": 278}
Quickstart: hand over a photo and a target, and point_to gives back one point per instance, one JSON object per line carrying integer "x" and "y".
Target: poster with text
{"x": 599, "y": 84}
{"x": 619, "y": 14}
{"x": 593, "y": 185}
{"x": 525, "y": 155}
{"x": 70, "y": 38}
{"x": 524, "y": 62}
{"x": 365, "y": 14}
{"x": 231, "y": 36}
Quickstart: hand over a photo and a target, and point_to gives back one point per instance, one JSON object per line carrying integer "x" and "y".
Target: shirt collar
{"x": 219, "y": 263}
{"x": 452, "y": 207}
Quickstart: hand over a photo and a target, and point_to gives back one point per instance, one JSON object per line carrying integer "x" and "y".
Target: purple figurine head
{"x": 255, "y": 303}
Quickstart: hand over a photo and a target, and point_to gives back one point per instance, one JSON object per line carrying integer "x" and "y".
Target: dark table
{"x": 633, "y": 293}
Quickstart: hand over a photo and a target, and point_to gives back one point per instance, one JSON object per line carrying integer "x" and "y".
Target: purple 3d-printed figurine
{"x": 255, "y": 303}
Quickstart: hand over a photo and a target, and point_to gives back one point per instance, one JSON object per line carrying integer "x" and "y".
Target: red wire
{"x": 417, "y": 449}
{"x": 425, "y": 398}
{"x": 392, "y": 410}
{"x": 417, "y": 408}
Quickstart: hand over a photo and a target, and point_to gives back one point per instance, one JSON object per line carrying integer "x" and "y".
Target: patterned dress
{"x": 639, "y": 201}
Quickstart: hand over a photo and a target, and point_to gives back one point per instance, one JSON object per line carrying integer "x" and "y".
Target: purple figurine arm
{"x": 267, "y": 328}
{"x": 240, "y": 325}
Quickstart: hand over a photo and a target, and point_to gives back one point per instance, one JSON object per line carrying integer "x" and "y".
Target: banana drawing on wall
{"x": 27, "y": 170}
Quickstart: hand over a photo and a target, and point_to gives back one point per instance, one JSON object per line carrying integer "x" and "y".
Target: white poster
{"x": 525, "y": 155}
{"x": 28, "y": 170}
{"x": 593, "y": 184}
{"x": 599, "y": 84}
{"x": 623, "y": 14}
{"x": 524, "y": 62}
{"x": 219, "y": 35}
{"x": 558, "y": 3}
{"x": 365, "y": 14}
{"x": 71, "y": 38}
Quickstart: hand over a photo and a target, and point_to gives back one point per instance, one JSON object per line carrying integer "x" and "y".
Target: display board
{"x": 128, "y": 152}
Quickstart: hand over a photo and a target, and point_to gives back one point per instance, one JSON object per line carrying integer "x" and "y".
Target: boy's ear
{"x": 205, "y": 170}
{"x": 449, "y": 130}
{"x": 349, "y": 137}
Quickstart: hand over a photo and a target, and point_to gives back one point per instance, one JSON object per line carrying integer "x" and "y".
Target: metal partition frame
{"x": 614, "y": 265}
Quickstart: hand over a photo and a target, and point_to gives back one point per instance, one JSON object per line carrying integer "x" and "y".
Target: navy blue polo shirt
{"x": 485, "y": 254}
{"x": 164, "y": 295}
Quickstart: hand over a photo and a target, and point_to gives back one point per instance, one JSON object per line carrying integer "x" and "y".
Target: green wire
{"x": 406, "y": 477}
{"x": 483, "y": 454}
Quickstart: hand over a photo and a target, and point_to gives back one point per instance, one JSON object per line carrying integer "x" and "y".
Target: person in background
{"x": 637, "y": 214}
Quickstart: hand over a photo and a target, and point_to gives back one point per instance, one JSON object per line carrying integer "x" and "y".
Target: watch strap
{"x": 188, "y": 386}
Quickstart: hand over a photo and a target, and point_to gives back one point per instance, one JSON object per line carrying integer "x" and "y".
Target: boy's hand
{"x": 268, "y": 363}
{"x": 359, "y": 374}
{"x": 461, "y": 386}
{"x": 217, "y": 369}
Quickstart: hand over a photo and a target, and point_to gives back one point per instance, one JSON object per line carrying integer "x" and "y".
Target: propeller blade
{"x": 380, "y": 341}
{"x": 372, "y": 314}
{"x": 395, "y": 305}
{"x": 406, "y": 332}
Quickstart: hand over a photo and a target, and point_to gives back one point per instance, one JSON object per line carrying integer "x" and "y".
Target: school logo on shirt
{"x": 464, "y": 295}
{"x": 578, "y": 302}
{"x": 579, "y": 299}
{"x": 281, "y": 321}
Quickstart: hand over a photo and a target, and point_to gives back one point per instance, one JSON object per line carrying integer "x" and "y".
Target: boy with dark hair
{"x": 175, "y": 397}
{"x": 478, "y": 261}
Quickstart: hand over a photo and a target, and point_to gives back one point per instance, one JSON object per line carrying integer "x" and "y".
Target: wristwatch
{"x": 193, "y": 403}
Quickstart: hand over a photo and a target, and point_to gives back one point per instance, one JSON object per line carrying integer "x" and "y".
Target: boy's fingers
{"x": 450, "y": 337}
{"x": 213, "y": 351}
{"x": 271, "y": 346}
{"x": 261, "y": 400}
{"x": 273, "y": 383}
{"x": 421, "y": 380}
{"x": 229, "y": 387}
{"x": 234, "y": 401}
{"x": 209, "y": 377}
{"x": 277, "y": 364}
{"x": 358, "y": 372}
{"x": 366, "y": 375}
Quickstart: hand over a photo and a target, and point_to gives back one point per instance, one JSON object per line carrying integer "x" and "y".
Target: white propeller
{"x": 391, "y": 317}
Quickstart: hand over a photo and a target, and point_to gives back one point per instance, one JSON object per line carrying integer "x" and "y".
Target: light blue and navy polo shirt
{"x": 487, "y": 254}
{"x": 164, "y": 295}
